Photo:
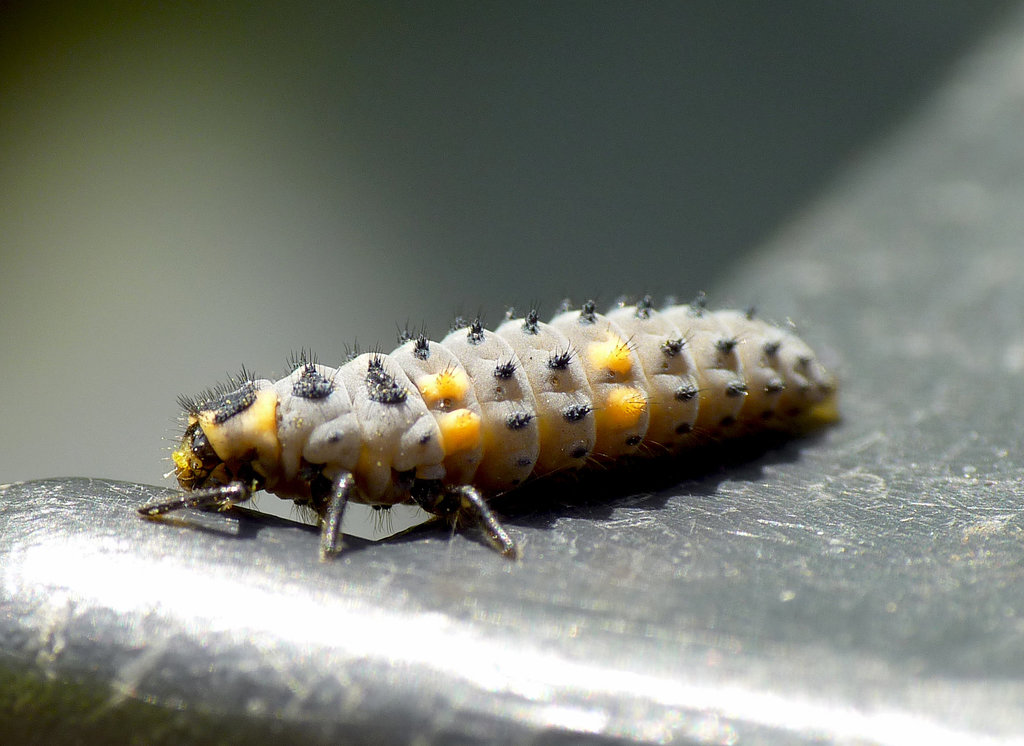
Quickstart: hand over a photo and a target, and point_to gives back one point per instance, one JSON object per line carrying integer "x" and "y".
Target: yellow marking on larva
{"x": 229, "y": 440}
{"x": 460, "y": 431}
{"x": 613, "y": 354}
{"x": 623, "y": 409}
{"x": 823, "y": 413}
{"x": 447, "y": 388}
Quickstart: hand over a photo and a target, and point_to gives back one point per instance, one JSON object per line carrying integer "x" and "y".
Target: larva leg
{"x": 330, "y": 534}
{"x": 220, "y": 497}
{"x": 472, "y": 505}
{"x": 464, "y": 501}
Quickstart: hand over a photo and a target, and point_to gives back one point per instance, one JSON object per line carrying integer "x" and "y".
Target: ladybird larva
{"x": 447, "y": 424}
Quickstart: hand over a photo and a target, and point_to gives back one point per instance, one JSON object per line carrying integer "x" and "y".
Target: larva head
{"x": 196, "y": 464}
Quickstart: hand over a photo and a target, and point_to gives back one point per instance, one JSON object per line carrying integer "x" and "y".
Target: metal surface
{"x": 862, "y": 586}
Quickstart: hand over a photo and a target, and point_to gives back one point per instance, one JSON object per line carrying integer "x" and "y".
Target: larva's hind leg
{"x": 464, "y": 502}
{"x": 220, "y": 497}
{"x": 330, "y": 532}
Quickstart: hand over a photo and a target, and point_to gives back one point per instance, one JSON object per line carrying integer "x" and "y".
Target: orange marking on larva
{"x": 460, "y": 431}
{"x": 255, "y": 428}
{"x": 613, "y": 354}
{"x": 443, "y": 390}
{"x": 624, "y": 408}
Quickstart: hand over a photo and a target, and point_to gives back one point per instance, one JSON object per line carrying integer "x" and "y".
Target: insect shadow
{"x": 596, "y": 494}
{"x": 650, "y": 483}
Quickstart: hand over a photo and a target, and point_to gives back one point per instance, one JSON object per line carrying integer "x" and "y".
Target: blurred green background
{"x": 187, "y": 189}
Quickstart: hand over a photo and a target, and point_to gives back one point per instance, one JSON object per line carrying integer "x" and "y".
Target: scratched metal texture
{"x": 862, "y": 586}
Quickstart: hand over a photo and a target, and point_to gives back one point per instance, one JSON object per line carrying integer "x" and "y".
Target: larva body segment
{"x": 443, "y": 423}
{"x": 399, "y": 435}
{"x": 510, "y": 437}
{"x": 562, "y": 393}
{"x": 449, "y": 394}
{"x": 720, "y": 381}
{"x": 670, "y": 370}
{"x": 621, "y": 406}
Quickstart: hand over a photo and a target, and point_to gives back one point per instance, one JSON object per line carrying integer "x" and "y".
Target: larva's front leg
{"x": 330, "y": 532}
{"x": 456, "y": 502}
{"x": 218, "y": 497}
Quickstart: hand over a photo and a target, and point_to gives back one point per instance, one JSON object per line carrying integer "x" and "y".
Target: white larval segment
{"x": 671, "y": 373}
{"x": 510, "y": 453}
{"x": 594, "y": 335}
{"x": 401, "y": 436}
{"x": 321, "y": 430}
{"x": 460, "y": 465}
{"x": 719, "y": 370}
{"x": 757, "y": 343}
{"x": 561, "y": 390}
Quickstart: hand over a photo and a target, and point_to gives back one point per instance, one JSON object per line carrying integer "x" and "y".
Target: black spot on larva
{"x": 736, "y": 388}
{"x": 381, "y": 386}
{"x": 774, "y": 386}
{"x": 560, "y": 360}
{"x": 524, "y": 461}
{"x": 518, "y": 420}
{"x": 422, "y": 348}
{"x": 312, "y": 385}
{"x": 426, "y": 438}
{"x": 633, "y": 440}
{"x": 644, "y": 308}
{"x": 771, "y": 348}
{"x": 505, "y": 370}
{"x": 530, "y": 322}
{"x": 683, "y": 427}
{"x": 750, "y": 313}
{"x": 334, "y": 437}
{"x": 686, "y": 392}
{"x": 803, "y": 362}
{"x": 725, "y": 345}
{"x": 233, "y": 402}
{"x": 475, "y": 335}
{"x": 672, "y": 347}
{"x": 576, "y": 412}
{"x": 578, "y": 452}
{"x": 588, "y": 313}
{"x": 727, "y": 421}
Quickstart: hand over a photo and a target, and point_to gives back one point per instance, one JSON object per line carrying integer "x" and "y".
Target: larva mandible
{"x": 445, "y": 424}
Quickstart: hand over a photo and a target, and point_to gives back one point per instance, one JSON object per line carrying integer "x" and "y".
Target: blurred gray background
{"x": 185, "y": 191}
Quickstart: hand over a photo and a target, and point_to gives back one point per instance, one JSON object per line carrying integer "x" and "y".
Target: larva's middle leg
{"x": 464, "y": 501}
{"x": 330, "y": 532}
